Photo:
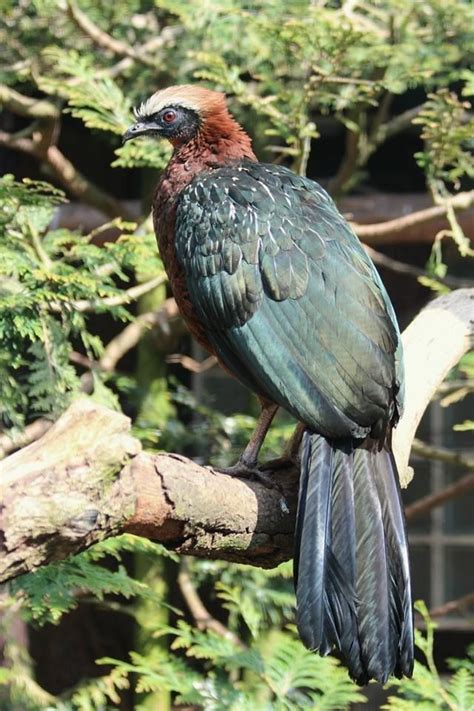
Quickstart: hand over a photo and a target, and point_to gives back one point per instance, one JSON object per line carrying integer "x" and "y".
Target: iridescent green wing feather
{"x": 290, "y": 301}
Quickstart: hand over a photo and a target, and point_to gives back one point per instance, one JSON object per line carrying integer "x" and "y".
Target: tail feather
{"x": 377, "y": 617}
{"x": 312, "y": 535}
{"x": 397, "y": 554}
{"x": 351, "y": 559}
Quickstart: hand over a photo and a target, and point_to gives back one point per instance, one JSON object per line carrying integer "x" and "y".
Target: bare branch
{"x": 426, "y": 504}
{"x": 65, "y": 172}
{"x": 394, "y": 265}
{"x": 9, "y": 443}
{"x": 26, "y": 106}
{"x": 103, "y": 39}
{"x": 125, "y": 297}
{"x": 396, "y": 124}
{"x": 348, "y": 165}
{"x": 202, "y": 617}
{"x": 463, "y": 604}
{"x": 81, "y": 187}
{"x": 167, "y": 36}
{"x": 440, "y": 454}
{"x": 131, "y": 334}
{"x": 381, "y": 232}
{"x": 191, "y": 364}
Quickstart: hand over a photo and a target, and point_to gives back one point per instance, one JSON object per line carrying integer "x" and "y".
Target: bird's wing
{"x": 288, "y": 297}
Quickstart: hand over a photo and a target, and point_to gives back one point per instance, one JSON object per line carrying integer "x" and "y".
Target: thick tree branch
{"x": 433, "y": 343}
{"x": 86, "y": 478}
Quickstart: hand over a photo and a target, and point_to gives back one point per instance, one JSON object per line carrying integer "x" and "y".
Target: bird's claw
{"x": 254, "y": 473}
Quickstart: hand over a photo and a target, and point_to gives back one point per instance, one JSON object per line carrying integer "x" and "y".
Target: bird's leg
{"x": 290, "y": 453}
{"x": 247, "y": 464}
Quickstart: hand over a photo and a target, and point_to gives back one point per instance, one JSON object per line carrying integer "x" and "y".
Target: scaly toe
{"x": 240, "y": 470}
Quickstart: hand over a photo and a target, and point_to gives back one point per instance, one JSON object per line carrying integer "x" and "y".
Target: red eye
{"x": 169, "y": 116}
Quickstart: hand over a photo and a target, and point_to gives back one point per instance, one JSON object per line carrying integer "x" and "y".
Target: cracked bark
{"x": 87, "y": 479}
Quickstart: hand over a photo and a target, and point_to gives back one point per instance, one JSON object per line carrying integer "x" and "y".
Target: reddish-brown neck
{"x": 219, "y": 141}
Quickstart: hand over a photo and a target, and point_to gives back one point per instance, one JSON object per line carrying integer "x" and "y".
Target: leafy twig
{"x": 135, "y": 292}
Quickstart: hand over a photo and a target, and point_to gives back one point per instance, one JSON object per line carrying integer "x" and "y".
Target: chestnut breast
{"x": 164, "y": 212}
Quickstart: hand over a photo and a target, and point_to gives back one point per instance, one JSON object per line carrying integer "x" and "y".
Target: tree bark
{"x": 87, "y": 479}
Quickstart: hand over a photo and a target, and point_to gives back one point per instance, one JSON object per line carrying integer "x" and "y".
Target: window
{"x": 442, "y": 542}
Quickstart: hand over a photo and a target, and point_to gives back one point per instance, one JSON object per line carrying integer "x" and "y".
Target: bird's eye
{"x": 169, "y": 116}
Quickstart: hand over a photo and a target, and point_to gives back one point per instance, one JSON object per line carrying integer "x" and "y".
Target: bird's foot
{"x": 243, "y": 470}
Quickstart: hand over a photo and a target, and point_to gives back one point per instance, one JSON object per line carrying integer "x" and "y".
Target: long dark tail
{"x": 352, "y": 573}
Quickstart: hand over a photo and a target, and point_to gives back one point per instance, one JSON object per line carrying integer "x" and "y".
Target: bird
{"x": 272, "y": 280}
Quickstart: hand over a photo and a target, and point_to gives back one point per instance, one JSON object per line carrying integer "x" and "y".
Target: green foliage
{"x": 427, "y": 690}
{"x": 253, "y": 660}
{"x": 57, "y": 588}
{"x": 51, "y": 281}
{"x": 447, "y": 130}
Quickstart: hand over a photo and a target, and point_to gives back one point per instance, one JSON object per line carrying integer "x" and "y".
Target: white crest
{"x": 196, "y": 98}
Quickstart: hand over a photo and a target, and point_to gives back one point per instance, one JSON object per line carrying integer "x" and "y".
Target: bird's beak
{"x": 140, "y": 128}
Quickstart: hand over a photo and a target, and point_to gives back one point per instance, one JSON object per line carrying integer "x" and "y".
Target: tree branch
{"x": 427, "y": 503}
{"x": 202, "y": 617}
{"x": 26, "y": 106}
{"x": 65, "y": 172}
{"x": 440, "y": 454}
{"x": 125, "y": 297}
{"x": 429, "y": 356}
{"x": 102, "y": 39}
{"x": 32, "y": 432}
{"x": 87, "y": 479}
{"x": 463, "y": 605}
{"x": 382, "y": 232}
{"x": 395, "y": 265}
{"x": 131, "y": 334}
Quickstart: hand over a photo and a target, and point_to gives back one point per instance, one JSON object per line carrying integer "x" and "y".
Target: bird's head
{"x": 180, "y": 113}
{"x": 177, "y": 113}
